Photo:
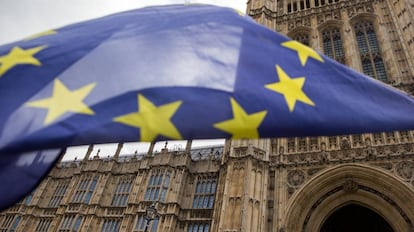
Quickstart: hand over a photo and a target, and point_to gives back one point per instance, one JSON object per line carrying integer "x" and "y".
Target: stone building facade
{"x": 112, "y": 193}
{"x": 305, "y": 184}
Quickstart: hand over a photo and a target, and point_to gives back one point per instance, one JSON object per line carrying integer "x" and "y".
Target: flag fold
{"x": 181, "y": 72}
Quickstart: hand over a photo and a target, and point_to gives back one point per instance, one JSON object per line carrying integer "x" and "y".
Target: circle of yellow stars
{"x": 153, "y": 120}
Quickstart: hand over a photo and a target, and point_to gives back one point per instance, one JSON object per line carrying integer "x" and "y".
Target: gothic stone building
{"x": 361, "y": 182}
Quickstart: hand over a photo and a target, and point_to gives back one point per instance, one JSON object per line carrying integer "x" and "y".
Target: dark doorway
{"x": 355, "y": 218}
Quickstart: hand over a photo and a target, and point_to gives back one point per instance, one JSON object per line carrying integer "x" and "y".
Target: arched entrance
{"x": 355, "y": 218}
{"x": 333, "y": 188}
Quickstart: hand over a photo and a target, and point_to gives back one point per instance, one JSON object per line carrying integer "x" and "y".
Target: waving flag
{"x": 180, "y": 72}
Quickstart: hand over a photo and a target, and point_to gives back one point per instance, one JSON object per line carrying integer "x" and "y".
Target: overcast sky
{"x": 22, "y": 18}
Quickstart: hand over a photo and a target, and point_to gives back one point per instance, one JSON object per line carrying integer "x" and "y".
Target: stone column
{"x": 118, "y": 150}
{"x": 151, "y": 149}
{"x": 88, "y": 152}
{"x": 188, "y": 146}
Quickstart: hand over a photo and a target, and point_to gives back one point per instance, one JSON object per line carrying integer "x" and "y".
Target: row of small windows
{"x": 368, "y": 46}
{"x": 295, "y": 5}
{"x": 72, "y": 223}
{"x": 156, "y": 191}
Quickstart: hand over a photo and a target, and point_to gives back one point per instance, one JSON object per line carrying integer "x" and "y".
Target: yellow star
{"x": 243, "y": 125}
{"x": 303, "y": 51}
{"x": 291, "y": 89}
{"x": 63, "y": 101}
{"x": 152, "y": 120}
{"x": 19, "y": 56}
{"x": 41, "y": 34}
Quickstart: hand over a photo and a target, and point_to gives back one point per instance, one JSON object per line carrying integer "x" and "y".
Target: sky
{"x": 22, "y": 18}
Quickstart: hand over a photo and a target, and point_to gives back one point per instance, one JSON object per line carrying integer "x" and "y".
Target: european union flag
{"x": 180, "y": 72}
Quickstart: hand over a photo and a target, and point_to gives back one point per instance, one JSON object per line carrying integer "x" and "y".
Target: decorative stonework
{"x": 377, "y": 154}
{"x": 350, "y": 186}
{"x": 296, "y": 178}
{"x": 330, "y": 15}
{"x": 405, "y": 169}
{"x": 358, "y": 9}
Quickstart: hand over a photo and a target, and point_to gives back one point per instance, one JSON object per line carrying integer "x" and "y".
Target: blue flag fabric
{"x": 180, "y": 72}
{"x": 20, "y": 174}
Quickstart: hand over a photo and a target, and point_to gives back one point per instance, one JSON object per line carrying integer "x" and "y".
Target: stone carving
{"x": 408, "y": 147}
{"x": 369, "y": 150}
{"x": 307, "y": 22}
{"x": 281, "y": 150}
{"x": 394, "y": 149}
{"x": 345, "y": 143}
{"x": 324, "y": 157}
{"x": 296, "y": 177}
{"x": 405, "y": 169}
{"x": 350, "y": 186}
{"x": 320, "y": 19}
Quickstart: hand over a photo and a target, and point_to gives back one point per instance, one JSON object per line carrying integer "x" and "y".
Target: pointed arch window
{"x": 369, "y": 50}
{"x": 332, "y": 44}
{"x": 302, "y": 37}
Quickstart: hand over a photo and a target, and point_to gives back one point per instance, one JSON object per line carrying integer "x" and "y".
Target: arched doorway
{"x": 355, "y": 218}
{"x": 359, "y": 184}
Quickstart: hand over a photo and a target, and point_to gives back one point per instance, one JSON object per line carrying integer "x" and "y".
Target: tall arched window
{"x": 332, "y": 44}
{"x": 372, "y": 63}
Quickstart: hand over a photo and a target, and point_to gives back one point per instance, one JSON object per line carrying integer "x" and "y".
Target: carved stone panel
{"x": 350, "y": 186}
{"x": 405, "y": 169}
{"x": 296, "y": 178}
